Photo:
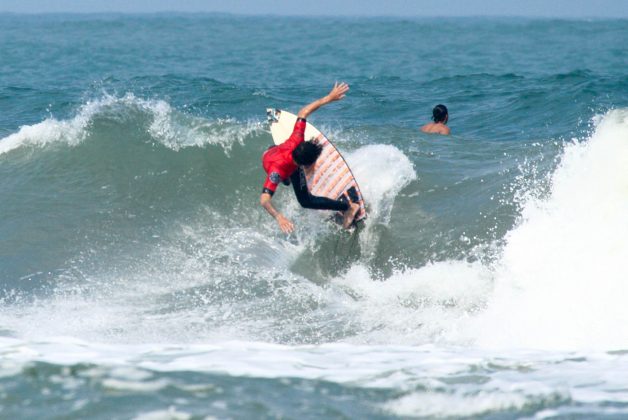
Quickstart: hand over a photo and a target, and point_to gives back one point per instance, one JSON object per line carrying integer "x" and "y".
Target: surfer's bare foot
{"x": 349, "y": 215}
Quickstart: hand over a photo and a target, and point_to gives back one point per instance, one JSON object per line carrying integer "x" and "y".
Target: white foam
{"x": 135, "y": 386}
{"x": 434, "y": 404}
{"x": 381, "y": 172}
{"x": 415, "y": 306}
{"x": 170, "y": 414}
{"x": 170, "y": 127}
{"x": 561, "y": 282}
{"x": 435, "y": 381}
{"x": 51, "y": 130}
{"x": 176, "y": 130}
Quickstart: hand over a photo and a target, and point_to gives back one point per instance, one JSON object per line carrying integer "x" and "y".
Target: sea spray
{"x": 556, "y": 282}
{"x": 561, "y": 280}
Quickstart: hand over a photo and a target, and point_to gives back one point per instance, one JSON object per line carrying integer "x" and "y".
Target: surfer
{"x": 440, "y": 115}
{"x": 285, "y": 163}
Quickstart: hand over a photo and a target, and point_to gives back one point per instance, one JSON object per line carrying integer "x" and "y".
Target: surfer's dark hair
{"x": 439, "y": 113}
{"x": 306, "y": 153}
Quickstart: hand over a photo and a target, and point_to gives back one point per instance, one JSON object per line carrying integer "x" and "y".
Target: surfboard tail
{"x": 273, "y": 115}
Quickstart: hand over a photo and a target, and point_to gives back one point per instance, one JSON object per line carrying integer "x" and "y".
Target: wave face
{"x": 140, "y": 278}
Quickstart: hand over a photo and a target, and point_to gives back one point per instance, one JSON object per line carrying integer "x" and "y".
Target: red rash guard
{"x": 277, "y": 160}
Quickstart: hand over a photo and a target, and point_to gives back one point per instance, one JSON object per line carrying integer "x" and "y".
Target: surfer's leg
{"x": 310, "y": 201}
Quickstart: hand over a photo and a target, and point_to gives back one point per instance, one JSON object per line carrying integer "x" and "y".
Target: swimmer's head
{"x": 440, "y": 114}
{"x": 306, "y": 153}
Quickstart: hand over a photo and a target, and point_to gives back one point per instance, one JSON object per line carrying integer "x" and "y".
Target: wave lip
{"x": 166, "y": 125}
{"x": 51, "y": 130}
{"x": 382, "y": 171}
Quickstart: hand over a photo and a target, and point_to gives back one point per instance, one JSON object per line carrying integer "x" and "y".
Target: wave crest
{"x": 166, "y": 125}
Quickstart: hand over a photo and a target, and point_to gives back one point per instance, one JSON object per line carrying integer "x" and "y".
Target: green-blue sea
{"x": 141, "y": 279}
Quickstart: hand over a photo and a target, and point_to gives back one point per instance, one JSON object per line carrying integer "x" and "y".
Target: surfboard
{"x": 330, "y": 176}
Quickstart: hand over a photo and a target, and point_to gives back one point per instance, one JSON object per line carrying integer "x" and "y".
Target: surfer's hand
{"x": 285, "y": 225}
{"x": 335, "y": 94}
{"x": 338, "y": 92}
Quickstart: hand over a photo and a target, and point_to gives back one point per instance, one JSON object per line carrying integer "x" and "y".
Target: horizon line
{"x": 341, "y": 16}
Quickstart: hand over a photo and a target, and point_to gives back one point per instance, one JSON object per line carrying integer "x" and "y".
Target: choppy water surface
{"x": 139, "y": 277}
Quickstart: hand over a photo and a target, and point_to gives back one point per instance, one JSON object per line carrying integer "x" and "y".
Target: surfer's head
{"x": 440, "y": 114}
{"x": 306, "y": 153}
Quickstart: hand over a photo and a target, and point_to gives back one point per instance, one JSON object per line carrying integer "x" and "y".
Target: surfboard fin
{"x": 273, "y": 115}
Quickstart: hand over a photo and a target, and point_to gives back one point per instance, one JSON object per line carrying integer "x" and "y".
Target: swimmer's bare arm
{"x": 337, "y": 93}
{"x": 285, "y": 225}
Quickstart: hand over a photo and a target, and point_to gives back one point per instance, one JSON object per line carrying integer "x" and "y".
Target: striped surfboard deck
{"x": 330, "y": 176}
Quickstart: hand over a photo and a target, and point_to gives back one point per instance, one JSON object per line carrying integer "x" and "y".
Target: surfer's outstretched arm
{"x": 337, "y": 93}
{"x": 285, "y": 225}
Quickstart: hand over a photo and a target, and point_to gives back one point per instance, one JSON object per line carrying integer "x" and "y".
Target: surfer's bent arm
{"x": 285, "y": 225}
{"x": 337, "y": 93}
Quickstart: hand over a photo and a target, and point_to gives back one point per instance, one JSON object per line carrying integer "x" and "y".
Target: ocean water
{"x": 140, "y": 278}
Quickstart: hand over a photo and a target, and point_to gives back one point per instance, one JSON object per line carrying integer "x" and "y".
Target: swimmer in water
{"x": 440, "y": 115}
